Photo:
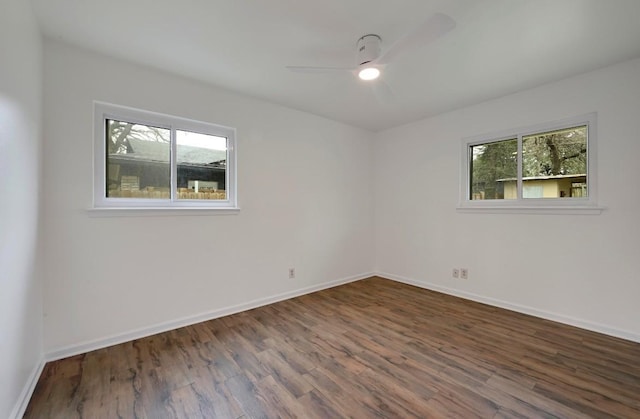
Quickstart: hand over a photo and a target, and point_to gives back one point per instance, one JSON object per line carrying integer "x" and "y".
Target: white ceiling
{"x": 498, "y": 47}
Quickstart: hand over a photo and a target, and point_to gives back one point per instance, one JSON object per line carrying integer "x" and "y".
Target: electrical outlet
{"x": 455, "y": 273}
{"x": 292, "y": 273}
{"x": 464, "y": 273}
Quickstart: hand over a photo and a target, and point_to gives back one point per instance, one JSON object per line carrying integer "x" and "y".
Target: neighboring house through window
{"x": 548, "y": 165}
{"x": 150, "y": 160}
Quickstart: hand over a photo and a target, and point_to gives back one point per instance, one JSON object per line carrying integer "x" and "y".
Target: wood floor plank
{"x": 245, "y": 393}
{"x": 356, "y": 403}
{"x": 279, "y": 399}
{"x": 285, "y": 374}
{"x": 372, "y": 348}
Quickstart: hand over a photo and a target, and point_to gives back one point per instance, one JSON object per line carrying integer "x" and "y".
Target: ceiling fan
{"x": 370, "y": 58}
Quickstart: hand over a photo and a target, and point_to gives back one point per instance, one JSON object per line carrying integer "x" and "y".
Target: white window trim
{"x": 587, "y": 205}
{"x": 130, "y": 206}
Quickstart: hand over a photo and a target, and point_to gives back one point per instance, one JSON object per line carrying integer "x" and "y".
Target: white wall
{"x": 304, "y": 189}
{"x": 584, "y": 269}
{"x": 20, "y": 146}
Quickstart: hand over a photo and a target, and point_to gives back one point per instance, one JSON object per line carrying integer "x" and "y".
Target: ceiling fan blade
{"x": 304, "y": 69}
{"x": 433, "y": 28}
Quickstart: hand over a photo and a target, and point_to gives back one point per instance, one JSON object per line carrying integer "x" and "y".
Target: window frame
{"x": 104, "y": 111}
{"x": 575, "y": 205}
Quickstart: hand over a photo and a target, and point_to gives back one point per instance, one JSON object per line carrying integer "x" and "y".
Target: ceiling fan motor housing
{"x": 368, "y": 48}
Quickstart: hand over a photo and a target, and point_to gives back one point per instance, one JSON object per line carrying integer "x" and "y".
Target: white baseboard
{"x": 27, "y": 391}
{"x": 100, "y": 343}
{"x": 571, "y": 321}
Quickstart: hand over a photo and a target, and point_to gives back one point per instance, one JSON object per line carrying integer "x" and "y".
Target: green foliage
{"x": 562, "y": 152}
{"x": 489, "y": 163}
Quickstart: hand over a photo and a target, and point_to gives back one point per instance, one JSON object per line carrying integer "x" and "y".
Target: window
{"x": 549, "y": 166}
{"x": 150, "y": 160}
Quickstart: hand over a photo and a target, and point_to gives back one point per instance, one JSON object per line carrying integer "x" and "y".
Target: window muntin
{"x": 151, "y": 160}
{"x": 554, "y": 166}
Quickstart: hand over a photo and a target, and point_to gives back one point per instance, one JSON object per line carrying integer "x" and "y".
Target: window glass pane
{"x": 202, "y": 166}
{"x": 137, "y": 163}
{"x": 494, "y": 169}
{"x": 556, "y": 163}
{"x": 532, "y": 191}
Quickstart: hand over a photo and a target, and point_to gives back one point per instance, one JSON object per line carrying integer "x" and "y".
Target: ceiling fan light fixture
{"x": 369, "y": 73}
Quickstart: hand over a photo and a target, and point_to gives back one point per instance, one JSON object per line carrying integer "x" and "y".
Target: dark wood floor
{"x": 373, "y": 348}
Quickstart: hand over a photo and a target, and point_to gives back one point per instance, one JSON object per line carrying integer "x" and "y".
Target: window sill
{"x": 159, "y": 211}
{"x": 542, "y": 210}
